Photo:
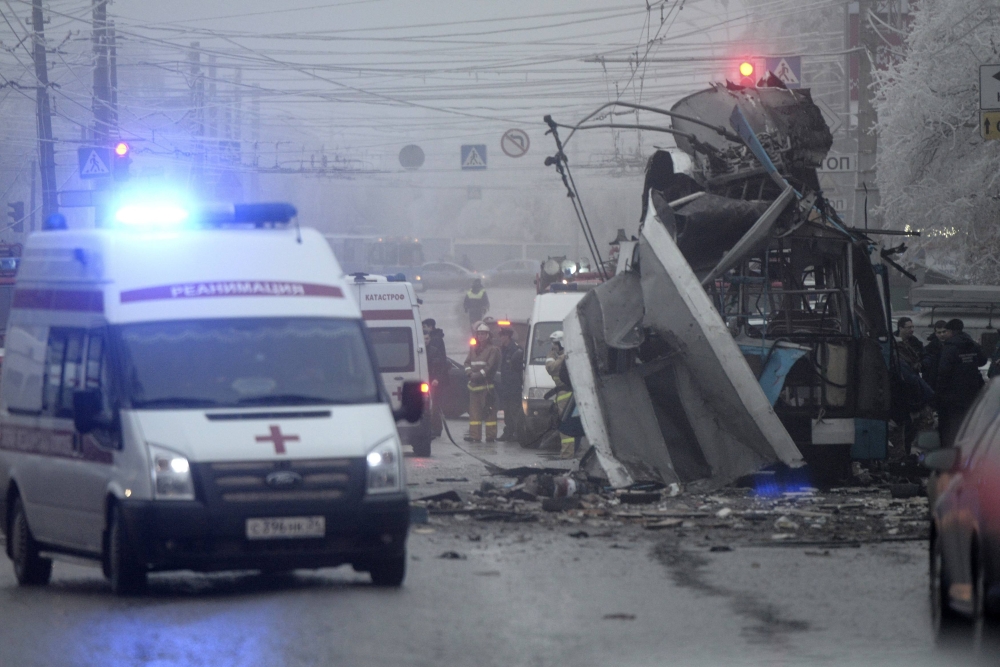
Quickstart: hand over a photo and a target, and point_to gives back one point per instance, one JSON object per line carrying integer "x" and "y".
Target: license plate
{"x": 286, "y": 527}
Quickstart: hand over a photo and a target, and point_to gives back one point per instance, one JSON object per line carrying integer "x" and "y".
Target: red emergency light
{"x": 473, "y": 342}
{"x": 504, "y": 323}
{"x": 424, "y": 388}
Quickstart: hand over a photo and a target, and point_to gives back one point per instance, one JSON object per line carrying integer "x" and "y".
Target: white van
{"x": 196, "y": 397}
{"x": 391, "y": 311}
{"x": 547, "y": 314}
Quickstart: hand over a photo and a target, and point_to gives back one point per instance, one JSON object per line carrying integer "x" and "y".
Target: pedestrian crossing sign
{"x": 474, "y": 156}
{"x": 94, "y": 162}
{"x": 786, "y": 68}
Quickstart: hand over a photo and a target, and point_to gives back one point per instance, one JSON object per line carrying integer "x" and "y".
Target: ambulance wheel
{"x": 422, "y": 448}
{"x": 29, "y": 568}
{"x": 127, "y": 573}
{"x": 388, "y": 572}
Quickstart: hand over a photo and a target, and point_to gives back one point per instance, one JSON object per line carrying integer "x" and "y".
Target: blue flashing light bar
{"x": 157, "y": 214}
{"x": 153, "y": 215}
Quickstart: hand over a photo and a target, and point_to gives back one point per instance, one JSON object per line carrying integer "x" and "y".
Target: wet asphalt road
{"x": 521, "y": 594}
{"x": 516, "y": 594}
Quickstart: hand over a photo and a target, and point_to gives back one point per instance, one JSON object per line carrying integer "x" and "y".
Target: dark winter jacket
{"x": 958, "y": 376}
{"x": 511, "y": 370}
{"x": 437, "y": 358}
{"x": 929, "y": 362}
{"x": 916, "y": 348}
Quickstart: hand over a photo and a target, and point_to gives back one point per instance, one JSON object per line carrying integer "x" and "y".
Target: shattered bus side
{"x": 752, "y": 326}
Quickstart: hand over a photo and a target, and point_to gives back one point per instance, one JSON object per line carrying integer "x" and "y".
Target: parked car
{"x": 445, "y": 275}
{"x": 514, "y": 273}
{"x": 964, "y": 501}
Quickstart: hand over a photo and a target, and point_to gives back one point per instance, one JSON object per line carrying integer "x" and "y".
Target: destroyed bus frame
{"x": 804, "y": 296}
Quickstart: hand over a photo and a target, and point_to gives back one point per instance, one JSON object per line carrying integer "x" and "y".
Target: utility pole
{"x": 866, "y": 189}
{"x": 113, "y": 72}
{"x": 197, "y": 112}
{"x": 34, "y": 196}
{"x": 103, "y": 114}
{"x": 46, "y": 148}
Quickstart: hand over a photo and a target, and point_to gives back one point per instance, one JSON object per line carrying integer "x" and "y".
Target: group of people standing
{"x": 943, "y": 374}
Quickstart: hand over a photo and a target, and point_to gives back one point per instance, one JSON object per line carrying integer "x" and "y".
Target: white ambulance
{"x": 391, "y": 311}
{"x": 194, "y": 391}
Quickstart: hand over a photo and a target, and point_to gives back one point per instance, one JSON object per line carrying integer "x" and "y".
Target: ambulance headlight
{"x": 537, "y": 392}
{"x": 171, "y": 475}
{"x": 385, "y": 467}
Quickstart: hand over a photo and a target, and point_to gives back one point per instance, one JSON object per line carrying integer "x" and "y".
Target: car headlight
{"x": 384, "y": 467}
{"x": 171, "y": 474}
{"x": 537, "y": 392}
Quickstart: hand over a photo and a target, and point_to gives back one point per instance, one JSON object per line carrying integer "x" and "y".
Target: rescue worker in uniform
{"x": 480, "y": 367}
{"x": 958, "y": 379}
{"x": 509, "y": 386}
{"x": 477, "y": 303}
{"x": 554, "y": 365}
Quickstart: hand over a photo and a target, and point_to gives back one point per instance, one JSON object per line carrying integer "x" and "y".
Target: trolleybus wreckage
{"x": 748, "y": 325}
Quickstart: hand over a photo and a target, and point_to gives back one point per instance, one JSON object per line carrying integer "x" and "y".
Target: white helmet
{"x": 482, "y": 327}
{"x": 556, "y": 337}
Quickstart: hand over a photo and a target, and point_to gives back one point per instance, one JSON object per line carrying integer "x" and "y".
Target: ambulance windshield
{"x": 246, "y": 362}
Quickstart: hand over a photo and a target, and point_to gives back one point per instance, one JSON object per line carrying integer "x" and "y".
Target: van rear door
{"x": 392, "y": 318}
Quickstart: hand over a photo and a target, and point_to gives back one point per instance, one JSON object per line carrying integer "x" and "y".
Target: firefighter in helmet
{"x": 480, "y": 367}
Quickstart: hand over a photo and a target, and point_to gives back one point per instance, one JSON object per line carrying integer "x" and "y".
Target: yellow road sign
{"x": 989, "y": 124}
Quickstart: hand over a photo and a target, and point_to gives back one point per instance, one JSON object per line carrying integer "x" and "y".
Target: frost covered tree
{"x": 935, "y": 172}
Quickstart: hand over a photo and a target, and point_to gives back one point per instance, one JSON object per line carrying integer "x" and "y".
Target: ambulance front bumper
{"x": 190, "y": 535}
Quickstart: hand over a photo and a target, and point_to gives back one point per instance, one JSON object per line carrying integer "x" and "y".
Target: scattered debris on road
{"x": 733, "y": 516}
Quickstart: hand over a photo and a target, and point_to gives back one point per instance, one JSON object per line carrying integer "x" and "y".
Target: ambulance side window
{"x": 24, "y": 368}
{"x": 63, "y": 370}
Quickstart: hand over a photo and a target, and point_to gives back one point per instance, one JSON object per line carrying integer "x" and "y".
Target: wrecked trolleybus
{"x": 750, "y": 324}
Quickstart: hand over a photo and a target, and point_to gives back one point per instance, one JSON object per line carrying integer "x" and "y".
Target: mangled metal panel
{"x": 693, "y": 411}
{"x": 679, "y": 308}
{"x": 788, "y": 122}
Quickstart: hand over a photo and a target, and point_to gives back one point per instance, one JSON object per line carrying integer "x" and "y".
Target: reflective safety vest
{"x": 476, "y": 295}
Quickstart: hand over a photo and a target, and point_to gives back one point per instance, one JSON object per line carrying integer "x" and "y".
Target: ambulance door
{"x": 80, "y": 467}
{"x": 396, "y": 353}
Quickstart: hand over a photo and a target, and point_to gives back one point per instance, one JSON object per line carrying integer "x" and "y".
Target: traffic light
{"x": 16, "y": 214}
{"x": 747, "y": 71}
{"x": 121, "y": 158}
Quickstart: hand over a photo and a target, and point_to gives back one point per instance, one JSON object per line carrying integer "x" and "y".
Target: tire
{"x": 29, "y": 568}
{"x": 127, "y": 572}
{"x": 422, "y": 448}
{"x": 388, "y": 572}
{"x": 947, "y": 624}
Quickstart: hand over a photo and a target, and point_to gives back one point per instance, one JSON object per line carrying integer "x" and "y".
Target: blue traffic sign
{"x": 474, "y": 156}
{"x": 786, "y": 68}
{"x": 94, "y": 161}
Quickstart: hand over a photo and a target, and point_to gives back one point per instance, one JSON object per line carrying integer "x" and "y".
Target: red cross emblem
{"x": 398, "y": 393}
{"x": 278, "y": 438}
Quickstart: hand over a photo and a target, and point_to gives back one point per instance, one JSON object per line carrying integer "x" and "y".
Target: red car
{"x": 964, "y": 497}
